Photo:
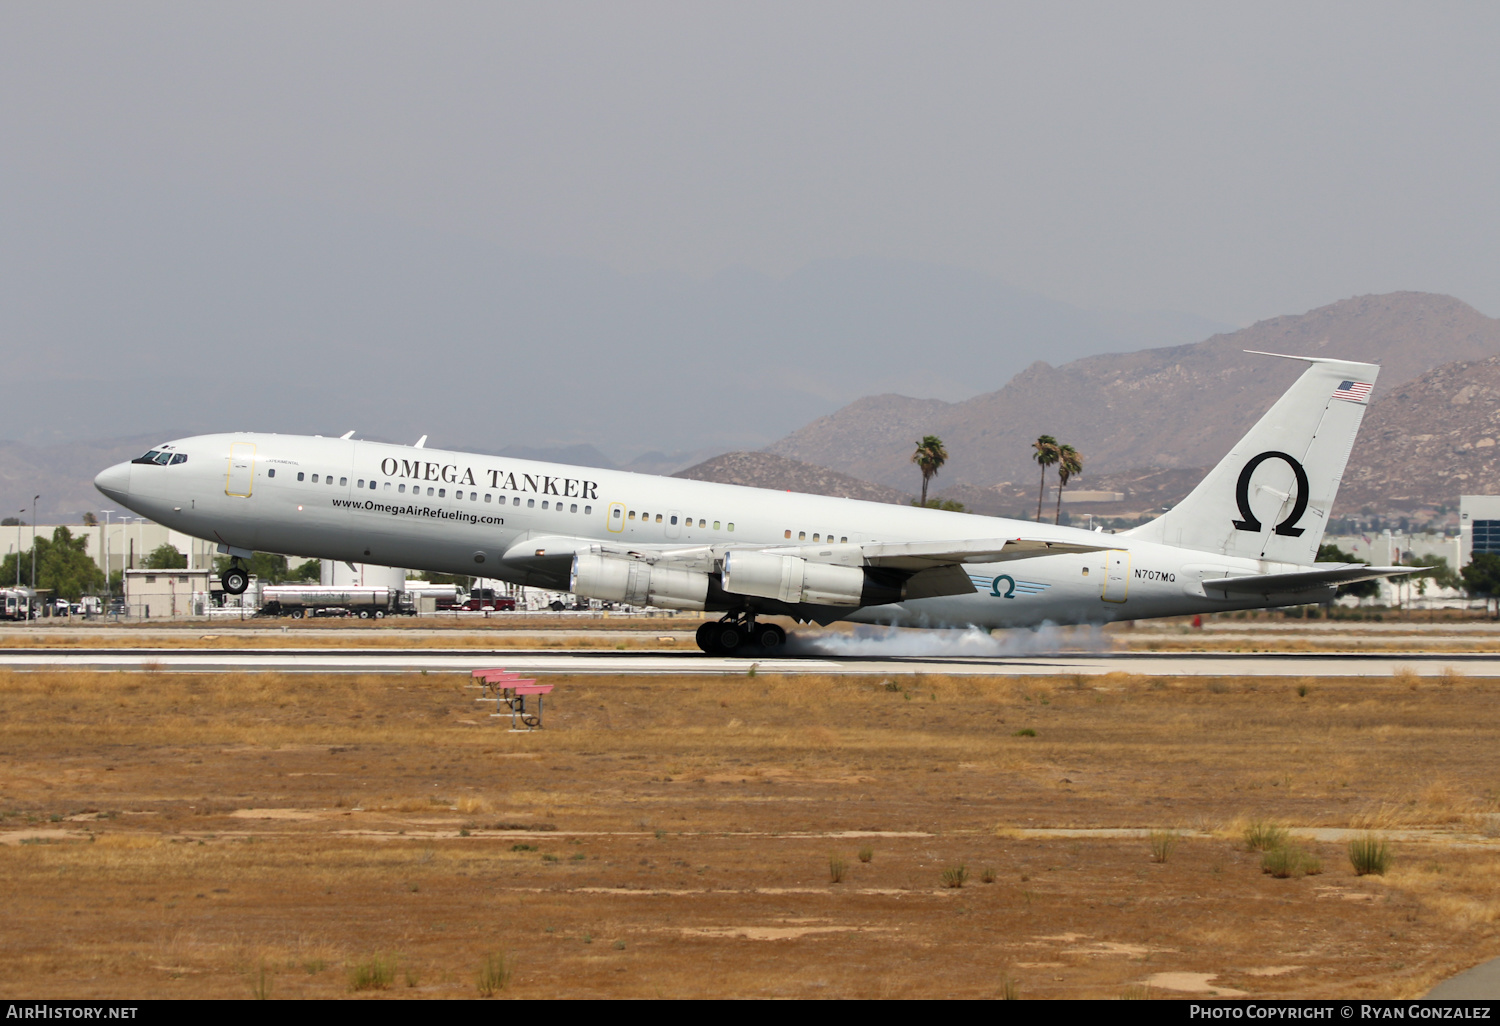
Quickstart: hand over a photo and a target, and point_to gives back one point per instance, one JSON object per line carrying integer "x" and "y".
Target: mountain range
{"x": 1177, "y": 407}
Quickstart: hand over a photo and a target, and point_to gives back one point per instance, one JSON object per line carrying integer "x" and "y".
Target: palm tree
{"x": 930, "y": 455}
{"x": 1046, "y": 455}
{"x": 1069, "y": 464}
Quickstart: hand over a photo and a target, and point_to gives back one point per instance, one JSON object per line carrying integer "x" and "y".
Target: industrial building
{"x": 167, "y": 593}
{"x": 1478, "y": 525}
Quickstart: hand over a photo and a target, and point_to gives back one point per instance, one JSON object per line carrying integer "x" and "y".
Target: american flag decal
{"x": 1353, "y": 391}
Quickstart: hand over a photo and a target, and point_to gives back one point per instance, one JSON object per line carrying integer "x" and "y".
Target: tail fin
{"x": 1271, "y": 496}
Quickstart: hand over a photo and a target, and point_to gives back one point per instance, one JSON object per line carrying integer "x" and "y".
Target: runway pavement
{"x": 354, "y": 659}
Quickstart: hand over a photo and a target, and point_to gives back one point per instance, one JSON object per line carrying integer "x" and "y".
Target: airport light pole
{"x": 20, "y": 515}
{"x": 108, "y": 593}
{"x": 34, "y": 499}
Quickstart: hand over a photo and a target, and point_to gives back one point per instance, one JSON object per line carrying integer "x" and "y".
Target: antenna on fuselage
{"x": 347, "y": 434}
{"x": 420, "y": 442}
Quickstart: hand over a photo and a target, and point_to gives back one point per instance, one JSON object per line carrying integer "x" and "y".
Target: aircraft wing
{"x": 917, "y": 556}
{"x": 1305, "y": 580}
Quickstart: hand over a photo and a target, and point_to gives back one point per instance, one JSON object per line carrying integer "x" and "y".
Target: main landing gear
{"x": 740, "y": 635}
{"x": 235, "y": 579}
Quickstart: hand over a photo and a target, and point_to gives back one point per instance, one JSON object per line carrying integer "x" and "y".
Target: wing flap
{"x": 936, "y": 581}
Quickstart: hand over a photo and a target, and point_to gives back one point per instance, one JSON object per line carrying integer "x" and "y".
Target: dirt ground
{"x": 331, "y": 836}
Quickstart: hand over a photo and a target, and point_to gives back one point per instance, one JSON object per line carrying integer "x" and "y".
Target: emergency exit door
{"x": 1116, "y": 575}
{"x": 240, "y": 477}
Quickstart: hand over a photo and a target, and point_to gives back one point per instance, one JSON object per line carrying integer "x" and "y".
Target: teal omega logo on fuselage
{"x": 1007, "y": 587}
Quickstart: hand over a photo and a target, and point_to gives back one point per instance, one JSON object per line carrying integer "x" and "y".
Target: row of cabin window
{"x": 687, "y": 521}
{"x": 802, "y": 536}
{"x": 442, "y": 493}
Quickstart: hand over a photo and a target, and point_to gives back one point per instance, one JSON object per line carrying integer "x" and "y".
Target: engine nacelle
{"x": 640, "y": 584}
{"x": 794, "y": 580}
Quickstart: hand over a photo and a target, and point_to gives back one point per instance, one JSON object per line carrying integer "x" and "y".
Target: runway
{"x": 354, "y": 659}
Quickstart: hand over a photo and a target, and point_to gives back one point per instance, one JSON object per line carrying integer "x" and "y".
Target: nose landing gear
{"x": 740, "y": 635}
{"x": 235, "y": 579}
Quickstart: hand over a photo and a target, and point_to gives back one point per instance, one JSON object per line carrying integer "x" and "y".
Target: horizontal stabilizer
{"x": 1306, "y": 580}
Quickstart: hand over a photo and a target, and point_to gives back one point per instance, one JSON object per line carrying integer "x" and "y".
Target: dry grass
{"x": 177, "y": 834}
{"x": 665, "y": 636}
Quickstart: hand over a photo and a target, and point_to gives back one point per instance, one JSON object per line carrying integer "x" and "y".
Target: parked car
{"x": 499, "y": 604}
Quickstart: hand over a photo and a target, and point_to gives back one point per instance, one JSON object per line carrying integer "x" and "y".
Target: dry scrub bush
{"x": 837, "y": 869}
{"x": 1288, "y": 861}
{"x": 955, "y": 876}
{"x": 494, "y": 974}
{"x": 1369, "y": 855}
{"x": 1162, "y": 843}
{"x": 1265, "y": 835}
{"x": 374, "y": 973}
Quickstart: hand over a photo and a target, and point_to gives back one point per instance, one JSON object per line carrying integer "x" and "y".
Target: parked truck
{"x": 18, "y": 604}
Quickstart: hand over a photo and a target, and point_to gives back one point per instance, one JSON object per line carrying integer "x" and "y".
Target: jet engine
{"x": 794, "y": 580}
{"x": 611, "y": 579}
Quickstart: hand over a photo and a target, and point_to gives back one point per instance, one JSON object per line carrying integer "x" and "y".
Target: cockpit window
{"x": 161, "y": 458}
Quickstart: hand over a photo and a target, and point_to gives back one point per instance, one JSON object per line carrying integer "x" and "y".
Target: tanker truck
{"x": 299, "y": 600}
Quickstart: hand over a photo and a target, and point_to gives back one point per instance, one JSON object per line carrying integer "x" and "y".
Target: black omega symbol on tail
{"x": 1242, "y": 496}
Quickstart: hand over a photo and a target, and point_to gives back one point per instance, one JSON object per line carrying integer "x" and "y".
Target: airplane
{"x": 1245, "y": 538}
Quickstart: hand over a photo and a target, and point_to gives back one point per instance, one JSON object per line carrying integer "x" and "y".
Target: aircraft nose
{"x": 115, "y": 482}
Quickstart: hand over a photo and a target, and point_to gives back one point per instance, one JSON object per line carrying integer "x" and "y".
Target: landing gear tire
{"x": 768, "y": 636}
{"x": 707, "y": 635}
{"x": 235, "y": 580}
{"x": 731, "y": 638}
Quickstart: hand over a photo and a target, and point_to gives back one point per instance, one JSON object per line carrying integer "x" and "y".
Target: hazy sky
{"x": 1232, "y": 160}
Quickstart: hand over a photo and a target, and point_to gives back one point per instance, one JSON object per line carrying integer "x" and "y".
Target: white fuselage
{"x": 462, "y": 513}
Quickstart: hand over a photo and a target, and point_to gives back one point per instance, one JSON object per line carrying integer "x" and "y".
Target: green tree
{"x": 951, "y": 505}
{"x": 1046, "y": 454}
{"x": 63, "y": 566}
{"x": 929, "y": 457}
{"x": 164, "y": 557}
{"x": 1069, "y": 464}
{"x": 1328, "y": 553}
{"x": 1481, "y": 577}
{"x": 311, "y": 571}
{"x": 89, "y": 520}
{"x": 1441, "y": 574}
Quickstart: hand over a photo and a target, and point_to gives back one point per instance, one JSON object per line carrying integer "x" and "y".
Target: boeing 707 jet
{"x": 1247, "y": 537}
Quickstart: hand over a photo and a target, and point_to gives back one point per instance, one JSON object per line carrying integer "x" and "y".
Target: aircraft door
{"x": 240, "y": 477}
{"x": 674, "y": 523}
{"x": 1116, "y": 575}
{"x": 616, "y": 514}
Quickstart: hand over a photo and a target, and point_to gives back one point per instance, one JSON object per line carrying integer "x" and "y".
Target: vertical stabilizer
{"x": 1271, "y": 496}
